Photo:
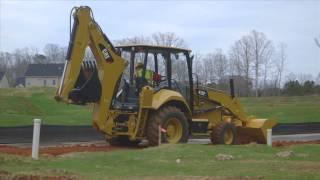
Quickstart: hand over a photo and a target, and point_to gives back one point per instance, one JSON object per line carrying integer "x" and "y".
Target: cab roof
{"x": 152, "y": 48}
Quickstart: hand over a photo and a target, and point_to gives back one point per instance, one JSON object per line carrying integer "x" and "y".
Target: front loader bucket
{"x": 256, "y": 129}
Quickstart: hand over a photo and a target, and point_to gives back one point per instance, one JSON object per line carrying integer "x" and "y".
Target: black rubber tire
{"x": 122, "y": 141}
{"x": 160, "y": 117}
{"x": 217, "y": 135}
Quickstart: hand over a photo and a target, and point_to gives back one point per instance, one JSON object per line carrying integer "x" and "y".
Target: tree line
{"x": 255, "y": 63}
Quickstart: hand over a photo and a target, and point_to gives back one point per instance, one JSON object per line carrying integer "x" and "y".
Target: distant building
{"x": 4, "y": 83}
{"x": 43, "y": 75}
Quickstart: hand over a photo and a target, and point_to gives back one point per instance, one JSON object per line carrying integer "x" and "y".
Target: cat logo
{"x": 106, "y": 54}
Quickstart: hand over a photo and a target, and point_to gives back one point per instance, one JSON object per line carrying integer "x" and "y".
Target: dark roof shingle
{"x": 44, "y": 70}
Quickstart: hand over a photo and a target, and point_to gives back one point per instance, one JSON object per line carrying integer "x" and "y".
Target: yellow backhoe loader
{"x": 129, "y": 108}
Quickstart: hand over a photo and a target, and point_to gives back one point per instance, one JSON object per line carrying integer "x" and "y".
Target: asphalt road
{"x": 291, "y": 137}
{"x": 65, "y": 134}
{"x": 296, "y": 137}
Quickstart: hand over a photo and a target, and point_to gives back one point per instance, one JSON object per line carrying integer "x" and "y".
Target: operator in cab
{"x": 148, "y": 73}
{"x": 150, "y": 77}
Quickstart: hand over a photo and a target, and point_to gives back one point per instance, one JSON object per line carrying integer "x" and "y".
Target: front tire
{"x": 173, "y": 121}
{"x": 224, "y": 133}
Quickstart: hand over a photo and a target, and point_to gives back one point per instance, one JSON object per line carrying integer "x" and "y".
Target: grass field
{"x": 160, "y": 162}
{"x": 20, "y": 106}
{"x": 285, "y": 109}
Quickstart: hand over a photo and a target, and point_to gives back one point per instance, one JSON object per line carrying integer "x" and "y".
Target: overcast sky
{"x": 205, "y": 25}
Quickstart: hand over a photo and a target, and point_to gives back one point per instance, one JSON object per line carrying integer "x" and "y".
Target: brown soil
{"x": 59, "y": 150}
{"x": 289, "y": 143}
{"x": 64, "y": 149}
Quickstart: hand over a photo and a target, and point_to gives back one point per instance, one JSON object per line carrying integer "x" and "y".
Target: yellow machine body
{"x": 229, "y": 109}
{"x": 209, "y": 106}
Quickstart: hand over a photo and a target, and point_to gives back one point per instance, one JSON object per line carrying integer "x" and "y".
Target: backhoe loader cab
{"x": 163, "y": 62}
{"x": 129, "y": 108}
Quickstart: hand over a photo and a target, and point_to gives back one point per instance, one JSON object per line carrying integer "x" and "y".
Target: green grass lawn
{"x": 20, "y": 106}
{"x": 160, "y": 162}
{"x": 285, "y": 109}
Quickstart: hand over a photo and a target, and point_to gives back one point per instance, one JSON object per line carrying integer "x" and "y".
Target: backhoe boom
{"x": 86, "y": 32}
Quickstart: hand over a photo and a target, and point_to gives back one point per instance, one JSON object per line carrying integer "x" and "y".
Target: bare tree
{"x": 5, "y": 61}
{"x": 54, "y": 53}
{"x": 20, "y": 59}
{"x": 235, "y": 65}
{"x": 62, "y": 53}
{"x": 214, "y": 67}
{"x": 198, "y": 68}
{"x": 280, "y": 63}
{"x": 134, "y": 40}
{"x": 241, "y": 55}
{"x": 168, "y": 39}
{"x": 267, "y": 67}
{"x": 208, "y": 64}
{"x": 179, "y": 69}
{"x": 261, "y": 51}
{"x": 220, "y": 64}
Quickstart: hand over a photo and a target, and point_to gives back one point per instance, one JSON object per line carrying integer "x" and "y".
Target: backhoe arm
{"x": 86, "y": 32}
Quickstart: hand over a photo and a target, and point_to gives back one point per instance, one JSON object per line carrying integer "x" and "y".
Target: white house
{"x": 43, "y": 75}
{"x": 4, "y": 83}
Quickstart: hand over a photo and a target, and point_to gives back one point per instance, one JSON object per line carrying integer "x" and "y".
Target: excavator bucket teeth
{"x": 256, "y": 129}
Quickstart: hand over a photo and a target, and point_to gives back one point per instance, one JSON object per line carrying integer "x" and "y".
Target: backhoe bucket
{"x": 256, "y": 129}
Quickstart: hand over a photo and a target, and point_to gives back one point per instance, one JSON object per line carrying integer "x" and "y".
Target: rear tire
{"x": 173, "y": 121}
{"x": 224, "y": 133}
